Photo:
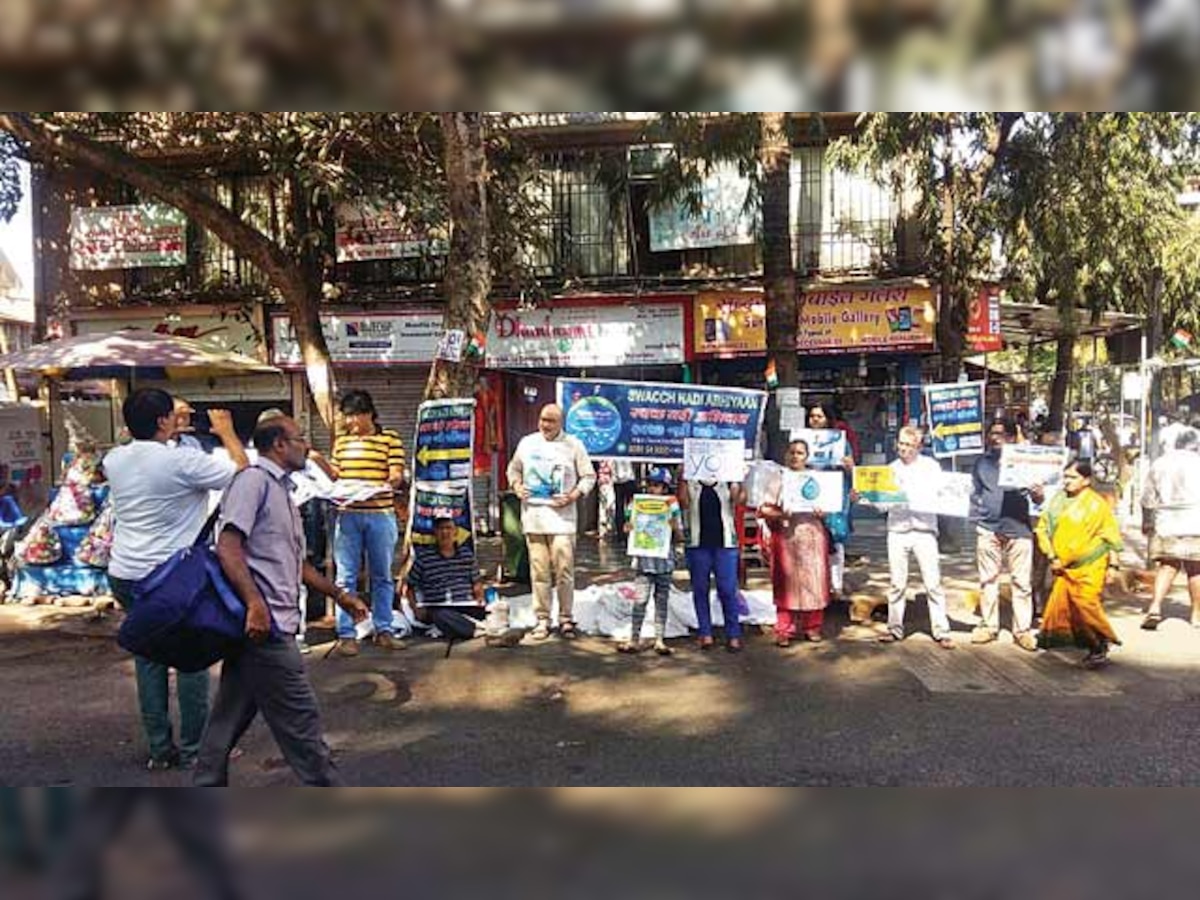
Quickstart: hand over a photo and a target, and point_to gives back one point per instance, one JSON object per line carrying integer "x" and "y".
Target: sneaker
{"x": 386, "y": 641}
{"x": 541, "y": 631}
{"x": 161, "y": 764}
{"x": 347, "y": 647}
{"x": 982, "y": 635}
{"x": 1026, "y": 641}
{"x": 302, "y": 646}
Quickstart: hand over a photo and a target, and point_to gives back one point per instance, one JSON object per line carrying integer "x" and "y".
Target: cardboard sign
{"x": 878, "y": 485}
{"x": 549, "y": 471}
{"x": 650, "y": 520}
{"x": 826, "y": 446}
{"x": 450, "y": 345}
{"x": 1024, "y": 465}
{"x": 705, "y": 460}
{"x": 811, "y": 490}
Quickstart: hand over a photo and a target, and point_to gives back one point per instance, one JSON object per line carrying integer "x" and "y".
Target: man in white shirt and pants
{"x": 160, "y": 495}
{"x": 910, "y": 531}
{"x": 550, "y": 471}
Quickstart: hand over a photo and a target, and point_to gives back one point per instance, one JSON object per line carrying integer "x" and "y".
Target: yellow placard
{"x": 877, "y": 484}
{"x": 730, "y": 322}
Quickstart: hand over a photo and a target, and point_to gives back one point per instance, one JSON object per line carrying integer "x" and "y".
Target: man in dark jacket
{"x": 1003, "y": 535}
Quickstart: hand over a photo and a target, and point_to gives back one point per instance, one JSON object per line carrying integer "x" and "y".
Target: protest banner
{"x": 705, "y": 460}
{"x": 955, "y": 413}
{"x": 650, "y": 532}
{"x": 442, "y": 447}
{"x": 810, "y": 490}
{"x": 441, "y": 466}
{"x": 1024, "y": 465}
{"x": 826, "y": 446}
{"x": 649, "y": 421}
{"x": 878, "y": 485}
{"x": 432, "y": 500}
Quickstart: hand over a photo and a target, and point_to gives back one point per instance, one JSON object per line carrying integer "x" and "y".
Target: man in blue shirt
{"x": 1003, "y": 535}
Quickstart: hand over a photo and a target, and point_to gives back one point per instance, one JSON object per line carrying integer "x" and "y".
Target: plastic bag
{"x": 72, "y": 505}
{"x": 42, "y": 546}
{"x": 763, "y": 483}
{"x": 95, "y": 548}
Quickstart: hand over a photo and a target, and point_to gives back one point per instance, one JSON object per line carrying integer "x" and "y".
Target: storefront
{"x": 385, "y": 353}
{"x": 860, "y": 344}
{"x": 232, "y": 328}
{"x": 624, "y": 337}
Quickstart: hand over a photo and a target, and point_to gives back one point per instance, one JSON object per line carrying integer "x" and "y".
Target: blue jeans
{"x": 375, "y": 532}
{"x": 703, "y": 564}
{"x": 154, "y": 697}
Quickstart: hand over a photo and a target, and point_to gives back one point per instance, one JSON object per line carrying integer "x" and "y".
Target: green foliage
{"x": 10, "y": 176}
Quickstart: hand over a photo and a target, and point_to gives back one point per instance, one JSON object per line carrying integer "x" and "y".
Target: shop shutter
{"x": 397, "y": 392}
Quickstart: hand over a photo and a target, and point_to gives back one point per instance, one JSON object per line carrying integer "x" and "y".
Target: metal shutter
{"x": 397, "y": 392}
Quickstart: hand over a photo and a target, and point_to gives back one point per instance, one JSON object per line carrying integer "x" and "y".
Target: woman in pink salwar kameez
{"x": 799, "y": 563}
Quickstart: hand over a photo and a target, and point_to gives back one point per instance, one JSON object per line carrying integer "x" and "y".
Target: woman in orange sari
{"x": 1077, "y": 531}
{"x": 799, "y": 563}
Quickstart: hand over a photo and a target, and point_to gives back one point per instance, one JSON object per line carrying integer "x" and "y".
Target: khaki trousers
{"x": 552, "y": 564}
{"x": 992, "y": 551}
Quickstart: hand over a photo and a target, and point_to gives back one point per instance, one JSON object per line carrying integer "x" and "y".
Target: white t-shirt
{"x": 160, "y": 497}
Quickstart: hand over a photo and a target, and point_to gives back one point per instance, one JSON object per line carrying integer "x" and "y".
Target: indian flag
{"x": 1181, "y": 339}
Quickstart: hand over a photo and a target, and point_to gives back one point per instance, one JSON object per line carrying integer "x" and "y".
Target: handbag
{"x": 185, "y": 614}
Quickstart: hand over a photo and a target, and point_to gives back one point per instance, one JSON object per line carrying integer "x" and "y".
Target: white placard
{"x": 826, "y": 446}
{"x": 548, "y": 472}
{"x": 1024, "y": 465}
{"x": 812, "y": 489}
{"x": 450, "y": 345}
{"x": 950, "y": 495}
{"x": 709, "y": 460}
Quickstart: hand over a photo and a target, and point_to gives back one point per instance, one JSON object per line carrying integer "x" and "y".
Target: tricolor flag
{"x": 1181, "y": 339}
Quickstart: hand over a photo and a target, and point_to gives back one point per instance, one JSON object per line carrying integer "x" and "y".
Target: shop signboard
{"x": 649, "y": 421}
{"x": 983, "y": 321}
{"x": 127, "y": 237}
{"x": 727, "y": 323}
{"x": 231, "y": 330}
{"x": 864, "y": 318}
{"x": 369, "y": 229}
{"x": 576, "y": 335}
{"x": 381, "y": 338}
{"x": 722, "y": 220}
{"x": 955, "y": 413}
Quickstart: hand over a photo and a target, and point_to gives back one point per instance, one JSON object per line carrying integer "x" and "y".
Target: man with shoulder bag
{"x": 261, "y": 547}
{"x": 160, "y": 494}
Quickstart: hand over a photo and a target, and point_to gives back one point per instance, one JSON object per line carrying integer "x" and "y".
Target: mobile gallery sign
{"x": 649, "y": 421}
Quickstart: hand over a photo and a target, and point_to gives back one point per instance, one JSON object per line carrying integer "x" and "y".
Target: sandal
{"x": 888, "y": 638}
{"x": 567, "y": 631}
{"x": 783, "y": 642}
{"x": 1151, "y": 622}
{"x": 734, "y": 645}
{"x": 814, "y": 637}
{"x": 705, "y": 643}
{"x": 663, "y": 650}
{"x": 541, "y": 631}
{"x": 628, "y": 647}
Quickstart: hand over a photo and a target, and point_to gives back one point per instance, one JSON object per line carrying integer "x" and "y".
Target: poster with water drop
{"x": 810, "y": 490}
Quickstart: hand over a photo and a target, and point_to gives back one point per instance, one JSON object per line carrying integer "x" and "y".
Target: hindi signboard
{"x": 649, "y": 421}
{"x": 577, "y": 335}
{"x": 128, "y": 237}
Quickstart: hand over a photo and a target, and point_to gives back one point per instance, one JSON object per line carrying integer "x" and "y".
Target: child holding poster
{"x": 657, "y": 569}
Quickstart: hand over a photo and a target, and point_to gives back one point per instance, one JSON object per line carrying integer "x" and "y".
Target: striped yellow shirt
{"x": 367, "y": 458}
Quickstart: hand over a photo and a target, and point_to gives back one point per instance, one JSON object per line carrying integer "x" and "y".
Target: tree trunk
{"x": 286, "y": 273}
{"x": 951, "y": 336}
{"x": 1064, "y": 367}
{"x": 468, "y": 268}
{"x": 779, "y": 277}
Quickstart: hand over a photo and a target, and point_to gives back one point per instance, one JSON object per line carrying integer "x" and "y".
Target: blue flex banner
{"x": 441, "y": 465}
{"x": 649, "y": 421}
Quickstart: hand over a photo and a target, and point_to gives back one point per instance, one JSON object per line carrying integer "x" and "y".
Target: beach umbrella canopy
{"x": 134, "y": 353}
